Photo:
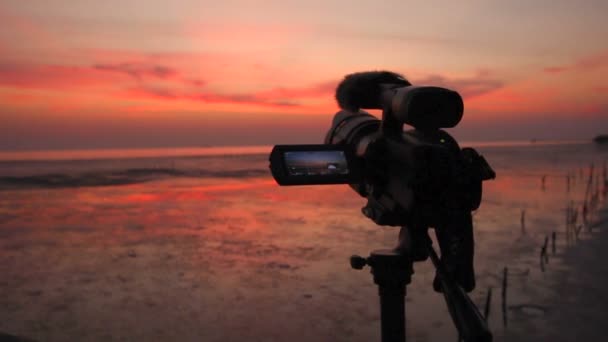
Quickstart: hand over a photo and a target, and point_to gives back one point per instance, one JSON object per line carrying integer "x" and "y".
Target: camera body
{"x": 415, "y": 177}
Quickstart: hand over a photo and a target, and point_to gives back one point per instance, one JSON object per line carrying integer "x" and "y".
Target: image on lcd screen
{"x": 316, "y": 163}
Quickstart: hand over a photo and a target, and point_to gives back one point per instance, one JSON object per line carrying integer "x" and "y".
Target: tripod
{"x": 392, "y": 271}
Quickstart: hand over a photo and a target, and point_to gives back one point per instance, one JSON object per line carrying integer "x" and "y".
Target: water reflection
{"x": 240, "y": 258}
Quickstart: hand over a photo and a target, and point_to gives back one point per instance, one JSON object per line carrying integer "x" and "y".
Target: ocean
{"x": 201, "y": 244}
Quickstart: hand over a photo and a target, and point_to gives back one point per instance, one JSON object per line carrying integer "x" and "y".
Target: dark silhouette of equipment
{"x": 392, "y": 270}
{"x": 415, "y": 179}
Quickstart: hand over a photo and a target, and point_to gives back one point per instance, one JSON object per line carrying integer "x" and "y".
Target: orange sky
{"x": 93, "y": 74}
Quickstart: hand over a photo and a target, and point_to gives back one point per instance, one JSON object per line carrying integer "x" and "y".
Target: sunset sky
{"x": 148, "y": 73}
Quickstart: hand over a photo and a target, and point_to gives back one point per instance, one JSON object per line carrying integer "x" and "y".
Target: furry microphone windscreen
{"x": 363, "y": 89}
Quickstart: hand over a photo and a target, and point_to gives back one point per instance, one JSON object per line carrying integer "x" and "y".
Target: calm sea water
{"x": 203, "y": 245}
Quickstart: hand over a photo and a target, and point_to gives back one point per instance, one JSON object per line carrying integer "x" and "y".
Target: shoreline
{"x": 7, "y": 156}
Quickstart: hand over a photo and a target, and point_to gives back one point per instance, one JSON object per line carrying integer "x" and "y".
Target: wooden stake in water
{"x": 542, "y": 261}
{"x": 598, "y": 183}
{"x": 544, "y": 258}
{"x": 523, "y": 221}
{"x": 604, "y": 180}
{"x": 553, "y": 235}
{"x": 573, "y": 213}
{"x": 585, "y": 212}
{"x": 542, "y": 182}
{"x": 588, "y": 195}
{"x": 486, "y": 311}
{"x": 568, "y": 223}
{"x": 545, "y": 248}
{"x": 505, "y": 273}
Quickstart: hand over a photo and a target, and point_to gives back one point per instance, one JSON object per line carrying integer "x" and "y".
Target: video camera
{"x": 418, "y": 178}
{"x": 413, "y": 177}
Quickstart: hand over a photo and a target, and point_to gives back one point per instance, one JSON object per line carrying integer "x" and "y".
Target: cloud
{"x": 601, "y": 89}
{"x": 196, "y": 82}
{"x": 155, "y": 81}
{"x": 139, "y": 70}
{"x": 315, "y": 90}
{"x": 555, "y": 70}
{"x": 252, "y": 99}
{"x": 470, "y": 87}
{"x": 586, "y": 63}
{"x": 51, "y": 76}
{"x": 143, "y": 81}
{"x": 152, "y": 92}
{"x": 276, "y": 97}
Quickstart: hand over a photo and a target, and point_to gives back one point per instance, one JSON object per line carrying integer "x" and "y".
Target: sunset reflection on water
{"x": 225, "y": 258}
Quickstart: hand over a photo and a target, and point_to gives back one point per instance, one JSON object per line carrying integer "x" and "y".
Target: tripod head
{"x": 392, "y": 271}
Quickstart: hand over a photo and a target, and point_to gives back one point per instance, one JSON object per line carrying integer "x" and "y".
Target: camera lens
{"x": 351, "y": 128}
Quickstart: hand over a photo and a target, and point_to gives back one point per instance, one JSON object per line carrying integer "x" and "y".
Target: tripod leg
{"x": 455, "y": 237}
{"x": 392, "y": 313}
{"x": 392, "y": 272}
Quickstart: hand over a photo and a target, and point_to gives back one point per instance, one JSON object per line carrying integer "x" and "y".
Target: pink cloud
{"x": 51, "y": 76}
{"x": 316, "y": 90}
{"x": 152, "y": 81}
{"x": 601, "y": 89}
{"x": 585, "y": 63}
{"x": 555, "y": 70}
{"x": 139, "y": 70}
{"x": 277, "y": 97}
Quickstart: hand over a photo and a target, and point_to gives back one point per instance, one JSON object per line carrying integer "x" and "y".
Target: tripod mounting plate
{"x": 391, "y": 268}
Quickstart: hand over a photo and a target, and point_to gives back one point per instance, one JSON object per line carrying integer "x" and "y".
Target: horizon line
{"x": 214, "y": 150}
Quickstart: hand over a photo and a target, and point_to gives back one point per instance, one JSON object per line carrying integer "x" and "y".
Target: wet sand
{"x": 571, "y": 303}
{"x": 224, "y": 284}
{"x": 227, "y": 259}
{"x": 164, "y": 262}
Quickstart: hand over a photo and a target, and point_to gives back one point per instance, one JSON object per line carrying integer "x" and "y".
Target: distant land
{"x": 601, "y": 139}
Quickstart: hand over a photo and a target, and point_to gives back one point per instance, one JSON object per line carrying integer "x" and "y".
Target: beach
{"x": 572, "y": 304}
{"x": 152, "y": 155}
{"x": 211, "y": 249}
